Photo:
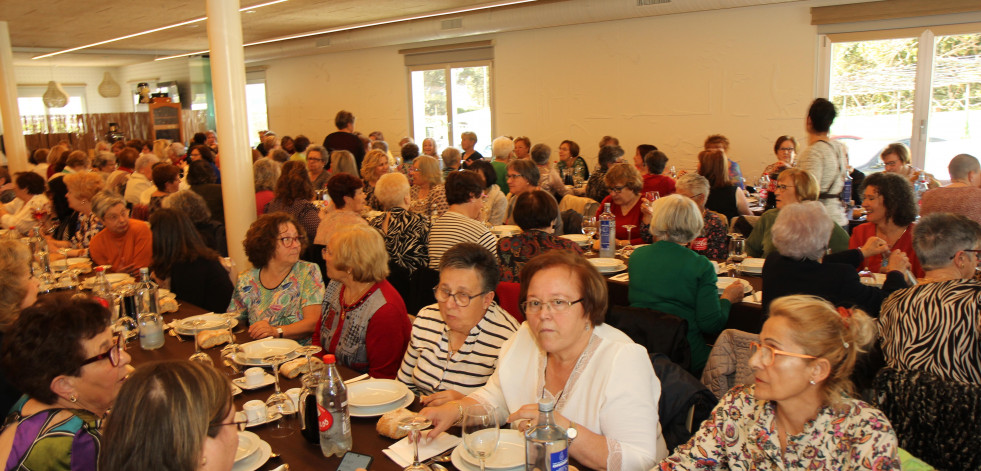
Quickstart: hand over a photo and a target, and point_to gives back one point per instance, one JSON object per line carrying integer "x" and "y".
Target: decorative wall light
{"x": 109, "y": 88}
{"x": 54, "y": 96}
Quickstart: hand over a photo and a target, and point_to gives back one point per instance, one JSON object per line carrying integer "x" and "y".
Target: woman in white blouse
{"x": 19, "y": 213}
{"x": 603, "y": 383}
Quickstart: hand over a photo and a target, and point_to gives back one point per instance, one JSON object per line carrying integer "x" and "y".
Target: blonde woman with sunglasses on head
{"x": 800, "y": 413}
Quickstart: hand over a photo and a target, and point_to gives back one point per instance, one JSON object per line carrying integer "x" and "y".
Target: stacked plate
{"x": 509, "y": 455}
{"x": 581, "y": 239}
{"x": 254, "y": 352}
{"x": 84, "y": 264}
{"x": 752, "y": 265}
{"x": 211, "y": 321}
{"x": 252, "y": 452}
{"x": 374, "y": 397}
{"x": 725, "y": 281}
{"x": 608, "y": 265}
{"x": 505, "y": 231}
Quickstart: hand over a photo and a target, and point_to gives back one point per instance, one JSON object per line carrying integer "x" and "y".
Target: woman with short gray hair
{"x": 799, "y": 264}
{"x": 713, "y": 241}
{"x": 669, "y": 277}
{"x": 934, "y": 325}
{"x": 404, "y": 231}
{"x": 123, "y": 243}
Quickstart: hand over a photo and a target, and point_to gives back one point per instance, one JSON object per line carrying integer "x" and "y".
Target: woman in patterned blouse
{"x": 374, "y": 166}
{"x": 428, "y": 196}
{"x": 713, "y": 240}
{"x": 405, "y": 232}
{"x": 81, "y": 188}
{"x": 800, "y": 414}
{"x": 534, "y": 212}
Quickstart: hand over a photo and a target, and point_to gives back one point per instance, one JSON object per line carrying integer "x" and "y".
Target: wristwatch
{"x": 279, "y": 332}
{"x": 571, "y": 433}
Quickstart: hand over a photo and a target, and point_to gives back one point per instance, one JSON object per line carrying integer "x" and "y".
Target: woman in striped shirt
{"x": 455, "y": 343}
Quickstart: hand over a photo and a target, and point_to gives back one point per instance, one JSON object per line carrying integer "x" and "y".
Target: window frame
{"x": 447, "y": 67}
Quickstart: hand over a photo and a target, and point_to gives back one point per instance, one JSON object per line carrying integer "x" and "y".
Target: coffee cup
{"x": 254, "y": 376}
{"x": 255, "y": 411}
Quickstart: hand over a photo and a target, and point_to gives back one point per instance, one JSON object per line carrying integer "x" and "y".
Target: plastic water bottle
{"x": 146, "y": 294}
{"x": 102, "y": 289}
{"x": 546, "y": 444}
{"x": 333, "y": 417}
{"x": 921, "y": 186}
{"x": 608, "y": 233}
{"x": 846, "y": 196}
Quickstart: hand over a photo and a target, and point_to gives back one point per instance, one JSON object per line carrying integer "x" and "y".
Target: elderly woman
{"x": 342, "y": 161}
{"x": 669, "y": 277}
{"x": 896, "y": 158}
{"x": 713, "y": 240}
{"x": 63, "y": 355}
{"x": 406, "y": 233}
{"x": 190, "y": 269}
{"x": 608, "y": 156}
{"x": 205, "y": 154}
{"x": 502, "y": 148}
{"x": 522, "y": 147}
{"x": 194, "y": 207}
{"x": 801, "y": 413}
{"x": 794, "y": 186}
{"x": 456, "y": 342}
{"x": 571, "y": 166}
{"x": 785, "y": 149}
{"x": 495, "y": 201}
{"x": 534, "y": 212}
{"x": 934, "y": 325}
{"x": 725, "y": 197}
{"x": 605, "y": 390}
{"x": 548, "y": 180}
{"x": 451, "y": 160}
{"x": 265, "y": 174}
{"x": 429, "y": 147}
{"x": 280, "y": 295}
{"x": 82, "y": 187}
{"x": 624, "y": 185}
{"x": 374, "y": 166}
{"x": 103, "y": 164}
{"x": 428, "y": 194}
{"x": 166, "y": 180}
{"x": 890, "y": 212}
{"x": 294, "y": 195}
{"x": 798, "y": 264}
{"x": 144, "y": 431}
{"x": 18, "y": 290}
{"x": 347, "y": 198}
{"x": 523, "y": 177}
{"x": 77, "y": 162}
{"x": 19, "y": 213}
{"x": 459, "y": 223}
{"x": 201, "y": 179}
{"x": 124, "y": 243}
{"x": 316, "y": 160}
{"x": 363, "y": 321}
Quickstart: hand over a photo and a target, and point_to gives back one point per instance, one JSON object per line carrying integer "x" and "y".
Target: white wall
{"x": 671, "y": 80}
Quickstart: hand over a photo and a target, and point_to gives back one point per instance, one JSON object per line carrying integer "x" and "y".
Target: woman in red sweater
{"x": 890, "y": 211}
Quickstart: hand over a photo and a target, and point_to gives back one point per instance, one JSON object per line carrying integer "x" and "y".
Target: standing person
{"x": 467, "y": 142}
{"x": 571, "y": 166}
{"x": 826, "y": 159}
{"x": 344, "y": 138}
{"x": 502, "y": 148}
{"x": 963, "y": 194}
{"x": 720, "y": 142}
{"x": 896, "y": 158}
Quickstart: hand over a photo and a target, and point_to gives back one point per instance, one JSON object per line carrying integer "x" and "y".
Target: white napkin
{"x": 755, "y": 298}
{"x": 401, "y": 451}
{"x": 624, "y": 277}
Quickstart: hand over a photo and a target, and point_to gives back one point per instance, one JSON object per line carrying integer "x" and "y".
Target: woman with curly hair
{"x": 890, "y": 211}
{"x": 374, "y": 166}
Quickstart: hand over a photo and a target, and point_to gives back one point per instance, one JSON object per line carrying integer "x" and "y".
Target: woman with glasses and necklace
{"x": 603, "y": 385}
{"x": 280, "y": 295}
{"x": 363, "y": 321}
{"x": 800, "y": 413}
{"x": 62, "y": 353}
{"x": 455, "y": 343}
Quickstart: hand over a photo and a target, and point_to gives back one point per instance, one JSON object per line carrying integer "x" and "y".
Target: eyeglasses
{"x": 288, "y": 241}
{"x": 462, "y": 299}
{"x": 512, "y": 176}
{"x": 240, "y": 424}
{"x": 315, "y": 159}
{"x": 110, "y": 217}
{"x": 786, "y": 149}
{"x": 976, "y": 252}
{"x": 768, "y": 353}
{"x": 782, "y": 187}
{"x": 534, "y": 306}
{"x": 617, "y": 189}
{"x": 113, "y": 354}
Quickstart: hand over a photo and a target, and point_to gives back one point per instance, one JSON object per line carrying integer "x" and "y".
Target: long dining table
{"x": 293, "y": 450}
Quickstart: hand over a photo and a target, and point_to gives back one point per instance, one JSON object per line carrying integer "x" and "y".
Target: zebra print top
{"x": 934, "y": 327}
{"x": 406, "y": 238}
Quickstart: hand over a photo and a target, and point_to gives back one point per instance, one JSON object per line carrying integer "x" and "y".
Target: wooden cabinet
{"x": 165, "y": 121}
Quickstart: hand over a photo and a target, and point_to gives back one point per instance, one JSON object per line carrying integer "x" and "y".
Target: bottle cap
{"x": 99, "y": 269}
{"x": 329, "y": 359}
{"x": 546, "y": 404}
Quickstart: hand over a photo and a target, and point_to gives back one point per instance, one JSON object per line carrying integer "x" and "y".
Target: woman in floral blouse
{"x": 800, "y": 413}
{"x": 713, "y": 241}
{"x": 534, "y": 212}
{"x": 428, "y": 195}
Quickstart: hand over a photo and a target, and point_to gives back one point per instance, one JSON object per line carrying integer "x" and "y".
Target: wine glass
{"x": 590, "y": 227}
{"x": 480, "y": 431}
{"x": 414, "y": 425}
{"x": 199, "y": 356}
{"x": 630, "y": 229}
{"x": 737, "y": 252}
{"x": 279, "y": 403}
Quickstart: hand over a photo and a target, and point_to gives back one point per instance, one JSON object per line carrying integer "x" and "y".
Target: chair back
{"x": 421, "y": 285}
{"x": 658, "y": 332}
{"x": 728, "y": 363}
{"x": 684, "y": 402}
{"x": 507, "y": 297}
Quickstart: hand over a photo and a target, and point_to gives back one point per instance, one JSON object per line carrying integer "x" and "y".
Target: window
{"x": 450, "y": 100}
{"x": 36, "y": 118}
{"x": 255, "y": 104}
{"x": 918, "y": 88}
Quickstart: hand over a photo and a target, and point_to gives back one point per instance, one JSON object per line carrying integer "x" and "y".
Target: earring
{"x": 812, "y": 382}
{"x": 73, "y": 398}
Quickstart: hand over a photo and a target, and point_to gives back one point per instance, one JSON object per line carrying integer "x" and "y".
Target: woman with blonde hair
{"x": 82, "y": 187}
{"x": 162, "y": 149}
{"x": 375, "y": 165}
{"x": 18, "y": 289}
{"x": 428, "y": 194}
{"x": 342, "y": 161}
{"x": 800, "y": 413}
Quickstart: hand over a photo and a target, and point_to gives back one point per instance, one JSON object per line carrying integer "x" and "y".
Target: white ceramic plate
{"x": 255, "y": 460}
{"x": 211, "y": 321}
{"x": 725, "y": 281}
{"x": 378, "y": 411}
{"x": 461, "y": 463}
{"x": 608, "y": 265}
{"x": 117, "y": 277}
{"x": 581, "y": 239}
{"x": 510, "y": 452}
{"x": 64, "y": 263}
{"x": 267, "y": 380}
{"x": 498, "y": 230}
{"x": 253, "y": 352}
{"x": 752, "y": 265}
{"x": 375, "y": 392}
{"x": 248, "y": 443}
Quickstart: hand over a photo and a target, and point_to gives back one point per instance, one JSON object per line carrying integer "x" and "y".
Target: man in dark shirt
{"x": 344, "y": 138}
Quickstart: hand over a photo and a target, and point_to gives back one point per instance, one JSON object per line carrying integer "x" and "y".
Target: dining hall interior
{"x": 662, "y": 77}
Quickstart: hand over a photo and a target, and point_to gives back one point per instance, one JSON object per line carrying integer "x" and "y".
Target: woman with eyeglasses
{"x": 602, "y": 383}
{"x": 455, "y": 343}
{"x": 363, "y": 321}
{"x": 800, "y": 413}
{"x": 794, "y": 186}
{"x": 280, "y": 295}
{"x": 63, "y": 355}
{"x": 934, "y": 325}
{"x": 522, "y": 176}
{"x": 623, "y": 183}
{"x": 785, "y": 149}
{"x": 316, "y": 161}
{"x": 125, "y": 244}
{"x": 145, "y": 428}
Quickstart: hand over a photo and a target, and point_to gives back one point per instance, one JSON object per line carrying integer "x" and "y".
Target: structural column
{"x": 228, "y": 81}
{"x": 13, "y": 132}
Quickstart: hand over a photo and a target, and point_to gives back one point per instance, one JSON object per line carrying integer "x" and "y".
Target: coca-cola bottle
{"x": 334, "y": 419}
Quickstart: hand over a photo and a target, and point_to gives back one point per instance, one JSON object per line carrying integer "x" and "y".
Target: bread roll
{"x": 294, "y": 368}
{"x": 388, "y": 424}
{"x": 167, "y": 304}
{"x": 211, "y": 338}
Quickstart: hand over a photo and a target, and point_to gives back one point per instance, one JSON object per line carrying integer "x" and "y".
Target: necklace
{"x": 575, "y": 368}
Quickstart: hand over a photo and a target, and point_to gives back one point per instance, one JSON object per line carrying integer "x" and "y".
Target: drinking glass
{"x": 229, "y": 353}
{"x": 199, "y": 356}
{"x": 480, "y": 431}
{"x": 737, "y": 252}
{"x": 279, "y": 403}
{"x": 630, "y": 229}
{"x": 590, "y": 227}
{"x": 414, "y": 425}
